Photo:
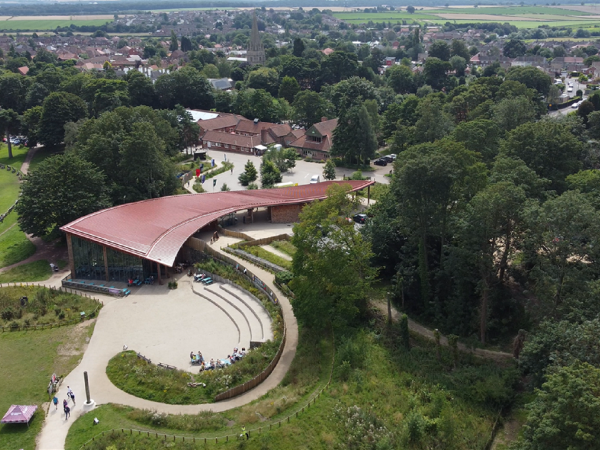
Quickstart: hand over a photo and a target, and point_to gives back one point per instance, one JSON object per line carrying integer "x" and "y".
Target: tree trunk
{"x": 423, "y": 269}
{"x": 504, "y": 260}
{"x": 10, "y": 154}
{"x": 483, "y": 316}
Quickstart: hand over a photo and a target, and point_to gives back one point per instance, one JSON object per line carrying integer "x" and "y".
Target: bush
{"x": 8, "y": 314}
{"x": 284, "y": 277}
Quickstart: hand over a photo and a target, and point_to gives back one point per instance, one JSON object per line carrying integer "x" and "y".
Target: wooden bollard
{"x": 270, "y": 426}
{"x": 227, "y": 438}
{"x": 259, "y": 430}
{"x": 288, "y": 419}
{"x": 130, "y": 431}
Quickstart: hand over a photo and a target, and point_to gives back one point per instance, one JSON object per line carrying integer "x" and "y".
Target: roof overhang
{"x": 156, "y": 229}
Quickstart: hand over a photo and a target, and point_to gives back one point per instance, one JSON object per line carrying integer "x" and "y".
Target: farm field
{"x": 521, "y": 17}
{"x": 45, "y": 24}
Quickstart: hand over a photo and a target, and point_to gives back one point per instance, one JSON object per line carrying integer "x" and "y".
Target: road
{"x": 576, "y": 86}
{"x": 300, "y": 174}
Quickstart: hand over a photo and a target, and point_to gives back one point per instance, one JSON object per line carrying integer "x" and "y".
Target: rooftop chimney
{"x": 324, "y": 119}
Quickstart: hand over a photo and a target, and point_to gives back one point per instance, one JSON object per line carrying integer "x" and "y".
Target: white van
{"x": 315, "y": 179}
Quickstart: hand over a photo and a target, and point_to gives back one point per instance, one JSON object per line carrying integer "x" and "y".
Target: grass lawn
{"x": 40, "y": 25}
{"x": 411, "y": 399}
{"x": 25, "y": 378}
{"x": 284, "y": 246}
{"x": 34, "y": 271}
{"x": 267, "y": 255}
{"x": 14, "y": 245}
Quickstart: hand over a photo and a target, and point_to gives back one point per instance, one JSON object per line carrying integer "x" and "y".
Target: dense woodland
{"x": 490, "y": 224}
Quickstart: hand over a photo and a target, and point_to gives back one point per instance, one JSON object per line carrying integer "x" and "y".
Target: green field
{"x": 40, "y": 25}
{"x": 538, "y": 15}
{"x": 511, "y": 11}
{"x": 25, "y": 378}
{"x": 14, "y": 245}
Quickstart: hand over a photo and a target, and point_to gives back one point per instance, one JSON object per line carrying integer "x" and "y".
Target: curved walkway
{"x": 97, "y": 354}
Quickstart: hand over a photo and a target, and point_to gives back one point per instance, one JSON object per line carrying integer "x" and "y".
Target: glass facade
{"x": 88, "y": 258}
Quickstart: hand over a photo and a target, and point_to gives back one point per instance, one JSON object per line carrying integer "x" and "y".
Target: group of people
{"x": 215, "y": 237}
{"x": 66, "y": 408}
{"x": 219, "y": 363}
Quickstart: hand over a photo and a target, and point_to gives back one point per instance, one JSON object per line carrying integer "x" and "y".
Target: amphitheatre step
{"x": 252, "y": 324}
{"x": 258, "y": 309}
{"x": 254, "y": 321}
{"x": 233, "y": 313}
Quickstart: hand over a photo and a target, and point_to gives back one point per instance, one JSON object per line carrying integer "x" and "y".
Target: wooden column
{"x": 70, "y": 252}
{"x": 105, "y": 263}
{"x": 368, "y": 194}
{"x": 158, "y": 267}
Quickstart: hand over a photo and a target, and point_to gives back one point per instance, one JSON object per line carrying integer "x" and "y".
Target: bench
{"x": 126, "y": 292}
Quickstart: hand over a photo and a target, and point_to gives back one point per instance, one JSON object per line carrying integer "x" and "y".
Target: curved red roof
{"x": 156, "y": 229}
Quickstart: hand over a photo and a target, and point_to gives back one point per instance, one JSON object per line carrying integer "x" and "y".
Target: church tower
{"x": 256, "y": 51}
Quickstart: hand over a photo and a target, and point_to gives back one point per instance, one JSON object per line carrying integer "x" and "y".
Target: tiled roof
{"x": 224, "y": 121}
{"x": 156, "y": 229}
{"x": 231, "y": 139}
{"x": 248, "y": 126}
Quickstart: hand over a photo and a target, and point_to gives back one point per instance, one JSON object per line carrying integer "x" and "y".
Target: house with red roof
{"x": 316, "y": 142}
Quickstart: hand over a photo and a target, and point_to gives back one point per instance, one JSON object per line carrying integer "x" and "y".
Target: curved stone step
{"x": 258, "y": 309}
{"x": 254, "y": 320}
{"x": 245, "y": 325}
{"x": 236, "y": 316}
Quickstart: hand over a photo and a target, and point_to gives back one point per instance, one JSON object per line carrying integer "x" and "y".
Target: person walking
{"x": 244, "y": 432}
{"x": 73, "y": 397}
{"x": 55, "y": 401}
{"x": 67, "y": 412}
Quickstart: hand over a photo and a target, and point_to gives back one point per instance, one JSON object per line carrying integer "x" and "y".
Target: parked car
{"x": 315, "y": 179}
{"x": 570, "y": 89}
{"x": 380, "y": 162}
{"x": 360, "y": 218}
{"x": 575, "y": 105}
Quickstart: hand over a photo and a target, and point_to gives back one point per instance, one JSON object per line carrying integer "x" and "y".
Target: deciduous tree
{"x": 54, "y": 194}
{"x": 332, "y": 273}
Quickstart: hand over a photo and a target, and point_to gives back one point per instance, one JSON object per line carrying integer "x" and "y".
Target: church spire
{"x": 256, "y": 51}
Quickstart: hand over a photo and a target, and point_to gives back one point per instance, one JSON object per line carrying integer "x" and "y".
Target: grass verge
{"x": 284, "y": 246}
{"x": 266, "y": 255}
{"x": 25, "y": 378}
{"x": 33, "y": 271}
{"x": 44, "y": 306}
